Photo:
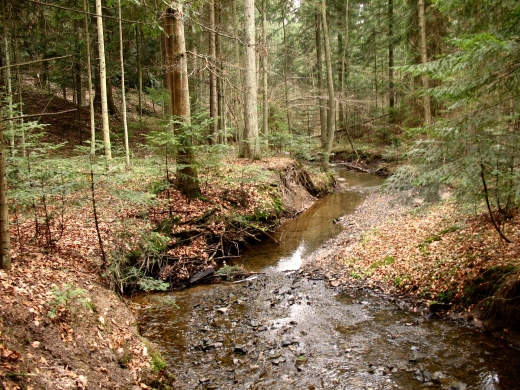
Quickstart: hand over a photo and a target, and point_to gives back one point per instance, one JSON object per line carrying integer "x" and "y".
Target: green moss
{"x": 388, "y": 260}
{"x": 157, "y": 362}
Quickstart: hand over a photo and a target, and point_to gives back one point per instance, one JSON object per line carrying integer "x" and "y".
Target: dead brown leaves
{"x": 77, "y": 348}
{"x": 435, "y": 254}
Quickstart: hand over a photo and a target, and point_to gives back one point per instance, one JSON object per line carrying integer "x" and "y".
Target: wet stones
{"x": 287, "y": 342}
{"x": 300, "y": 362}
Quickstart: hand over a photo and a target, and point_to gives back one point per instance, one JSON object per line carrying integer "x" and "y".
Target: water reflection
{"x": 293, "y": 262}
{"x": 299, "y": 237}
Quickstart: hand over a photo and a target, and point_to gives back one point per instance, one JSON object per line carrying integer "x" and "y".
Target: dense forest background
{"x": 432, "y": 86}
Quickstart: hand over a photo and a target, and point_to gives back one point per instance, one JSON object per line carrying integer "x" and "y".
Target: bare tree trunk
{"x": 321, "y": 90}
{"x": 238, "y": 100}
{"x": 8, "y": 80}
{"x": 424, "y": 60}
{"x": 286, "y": 70}
{"x": 251, "y": 142}
{"x": 344, "y": 108}
{"x": 89, "y": 77}
{"x": 123, "y": 95}
{"x": 167, "y": 74}
{"x": 139, "y": 70}
{"x": 331, "y": 117}
{"x": 5, "y": 238}
{"x": 187, "y": 178}
{"x": 103, "y": 82}
{"x": 213, "y": 105}
{"x": 391, "y": 92}
{"x": 221, "y": 113}
{"x": 265, "y": 104}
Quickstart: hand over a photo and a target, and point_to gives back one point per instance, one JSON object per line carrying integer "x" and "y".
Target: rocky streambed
{"x": 285, "y": 330}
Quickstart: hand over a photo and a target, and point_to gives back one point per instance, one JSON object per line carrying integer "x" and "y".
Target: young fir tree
{"x": 474, "y": 146}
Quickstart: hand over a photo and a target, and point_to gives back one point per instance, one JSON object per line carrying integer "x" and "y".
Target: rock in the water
{"x": 438, "y": 377}
{"x": 241, "y": 349}
{"x": 199, "y": 276}
{"x": 458, "y": 386}
{"x": 300, "y": 362}
{"x": 287, "y": 342}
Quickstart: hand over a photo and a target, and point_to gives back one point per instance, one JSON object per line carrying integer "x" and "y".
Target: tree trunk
{"x": 187, "y": 178}
{"x": 221, "y": 113}
{"x": 8, "y": 82}
{"x": 286, "y": 70}
{"x": 251, "y": 144}
{"x": 321, "y": 90}
{"x": 238, "y": 100}
{"x": 167, "y": 74}
{"x": 343, "y": 117}
{"x": 139, "y": 70}
{"x": 331, "y": 115}
{"x": 265, "y": 104}
{"x": 123, "y": 95}
{"x": 391, "y": 92}
{"x": 103, "y": 82}
{"x": 5, "y": 239}
{"x": 424, "y": 60}
{"x": 213, "y": 104}
{"x": 89, "y": 77}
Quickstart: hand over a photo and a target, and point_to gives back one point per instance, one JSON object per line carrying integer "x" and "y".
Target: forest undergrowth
{"x": 59, "y": 323}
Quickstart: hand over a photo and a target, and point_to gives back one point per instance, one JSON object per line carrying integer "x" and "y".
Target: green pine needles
{"x": 474, "y": 147}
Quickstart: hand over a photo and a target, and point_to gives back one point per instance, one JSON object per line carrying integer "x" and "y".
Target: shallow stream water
{"x": 283, "y": 331}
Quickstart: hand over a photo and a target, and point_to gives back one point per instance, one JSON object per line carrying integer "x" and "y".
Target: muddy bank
{"x": 78, "y": 335}
{"x": 198, "y": 235}
{"x": 433, "y": 260}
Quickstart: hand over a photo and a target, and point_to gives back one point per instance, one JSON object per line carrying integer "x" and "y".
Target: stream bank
{"x": 61, "y": 326}
{"x": 436, "y": 259}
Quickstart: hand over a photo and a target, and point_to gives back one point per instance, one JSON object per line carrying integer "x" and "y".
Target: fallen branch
{"x": 355, "y": 168}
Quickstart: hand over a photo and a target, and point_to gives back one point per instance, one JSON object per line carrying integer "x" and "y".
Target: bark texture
{"x": 5, "y": 239}
{"x": 103, "y": 82}
{"x": 331, "y": 115}
{"x": 187, "y": 177}
{"x": 251, "y": 144}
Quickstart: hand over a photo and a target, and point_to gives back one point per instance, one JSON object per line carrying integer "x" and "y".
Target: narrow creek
{"x": 283, "y": 331}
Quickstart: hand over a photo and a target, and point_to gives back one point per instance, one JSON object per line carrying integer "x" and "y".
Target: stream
{"x": 283, "y": 331}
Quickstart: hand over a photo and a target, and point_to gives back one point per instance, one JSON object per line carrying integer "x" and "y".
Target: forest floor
{"x": 445, "y": 261}
{"x": 61, "y": 326}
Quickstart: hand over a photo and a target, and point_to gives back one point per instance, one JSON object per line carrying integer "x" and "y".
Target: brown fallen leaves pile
{"x": 90, "y": 338}
{"x": 436, "y": 254}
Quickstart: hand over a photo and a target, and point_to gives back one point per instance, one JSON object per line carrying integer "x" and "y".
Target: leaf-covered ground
{"x": 60, "y": 325}
{"x": 437, "y": 254}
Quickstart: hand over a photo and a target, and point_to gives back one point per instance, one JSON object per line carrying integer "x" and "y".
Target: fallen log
{"x": 355, "y": 167}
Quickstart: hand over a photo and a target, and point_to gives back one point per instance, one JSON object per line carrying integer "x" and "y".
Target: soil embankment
{"x": 437, "y": 259}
